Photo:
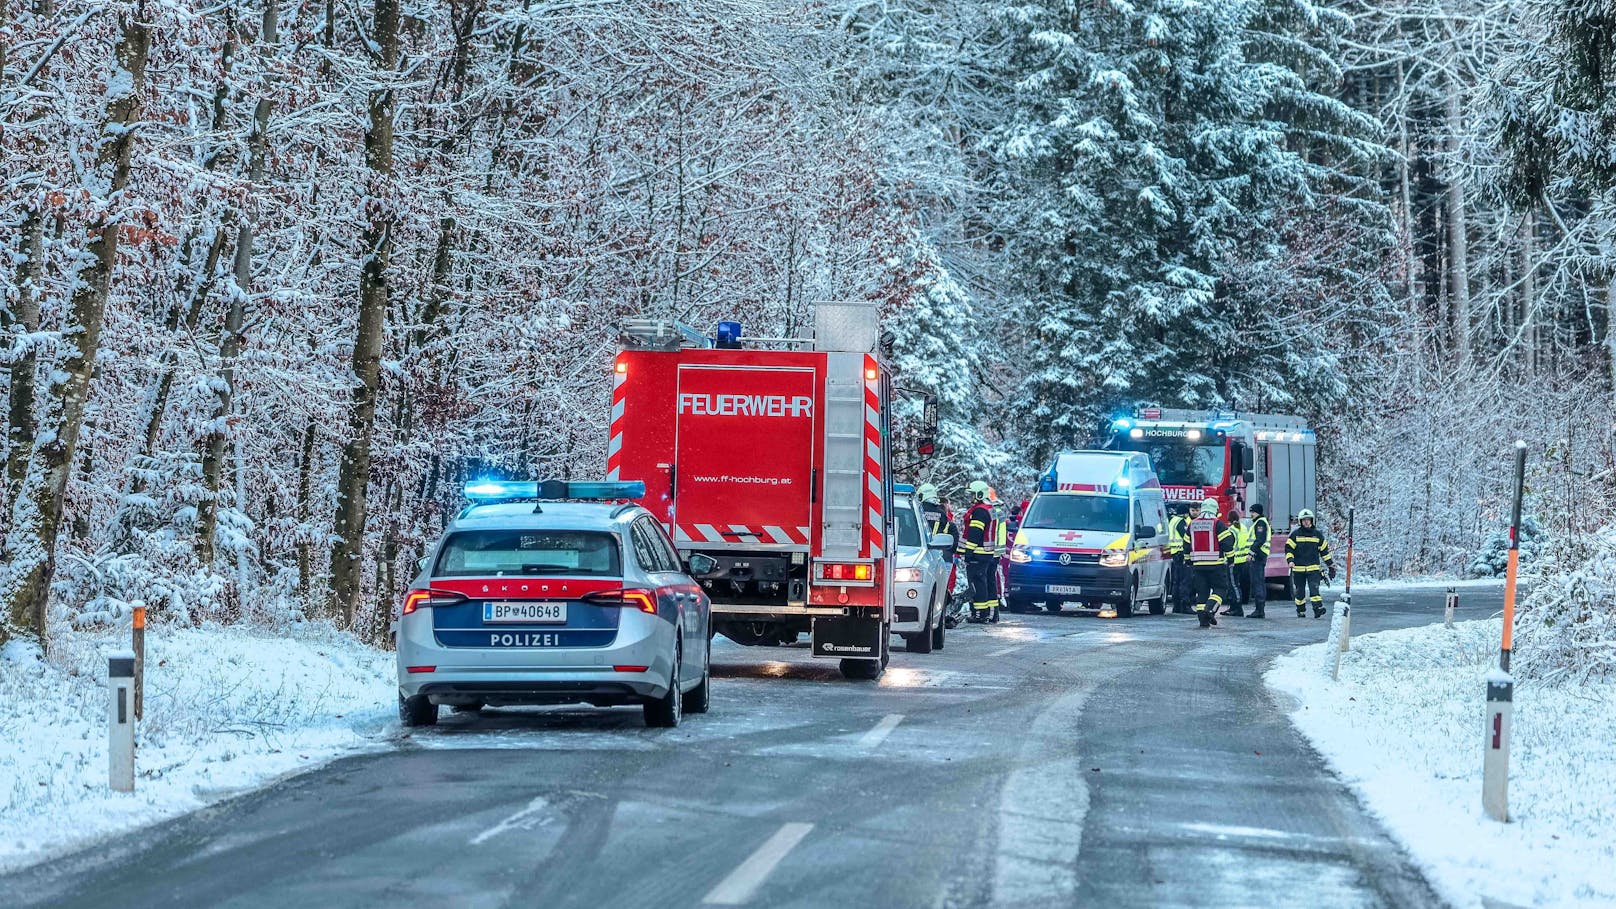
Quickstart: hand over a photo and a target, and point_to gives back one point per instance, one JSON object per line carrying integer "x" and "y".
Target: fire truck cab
{"x": 766, "y": 460}
{"x": 1240, "y": 459}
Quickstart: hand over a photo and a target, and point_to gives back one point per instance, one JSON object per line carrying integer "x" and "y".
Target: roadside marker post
{"x": 1344, "y": 605}
{"x": 120, "y": 721}
{"x": 138, "y": 640}
{"x": 1500, "y": 684}
{"x": 1447, "y": 610}
{"x": 1337, "y": 640}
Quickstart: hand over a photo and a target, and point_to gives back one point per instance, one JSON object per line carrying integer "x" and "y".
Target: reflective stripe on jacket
{"x": 1260, "y": 533}
{"x": 1307, "y": 550}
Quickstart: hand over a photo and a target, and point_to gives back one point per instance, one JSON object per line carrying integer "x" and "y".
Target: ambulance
{"x": 1095, "y": 536}
{"x": 767, "y": 462}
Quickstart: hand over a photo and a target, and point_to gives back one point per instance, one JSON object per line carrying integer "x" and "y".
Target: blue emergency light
{"x": 903, "y": 489}
{"x": 1046, "y": 483}
{"x": 486, "y": 492}
{"x": 728, "y": 335}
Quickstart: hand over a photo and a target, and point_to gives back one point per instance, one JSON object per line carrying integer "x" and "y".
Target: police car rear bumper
{"x": 537, "y": 675}
{"x": 1032, "y": 581}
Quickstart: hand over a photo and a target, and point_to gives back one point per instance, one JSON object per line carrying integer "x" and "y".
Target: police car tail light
{"x": 630, "y": 668}
{"x": 1113, "y": 558}
{"x": 643, "y": 600}
{"x": 860, "y": 573}
{"x": 415, "y": 599}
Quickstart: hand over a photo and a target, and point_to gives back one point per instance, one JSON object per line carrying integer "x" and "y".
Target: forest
{"x": 280, "y": 274}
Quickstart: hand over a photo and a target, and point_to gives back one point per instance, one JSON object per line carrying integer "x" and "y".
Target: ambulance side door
{"x": 1152, "y": 519}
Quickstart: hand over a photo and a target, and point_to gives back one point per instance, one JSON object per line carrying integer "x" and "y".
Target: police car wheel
{"x": 417, "y": 711}
{"x": 665, "y": 712}
{"x": 699, "y": 698}
{"x": 938, "y": 633}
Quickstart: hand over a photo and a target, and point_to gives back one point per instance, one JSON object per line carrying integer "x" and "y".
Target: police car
{"x": 553, "y": 593}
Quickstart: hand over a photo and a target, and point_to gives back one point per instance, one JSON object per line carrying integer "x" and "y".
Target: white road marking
{"x": 882, "y": 729}
{"x": 1000, "y": 653}
{"x": 744, "y": 881}
{"x": 518, "y": 821}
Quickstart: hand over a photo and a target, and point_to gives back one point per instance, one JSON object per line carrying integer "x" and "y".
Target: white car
{"x": 920, "y": 581}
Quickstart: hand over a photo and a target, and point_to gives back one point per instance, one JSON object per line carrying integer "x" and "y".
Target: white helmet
{"x": 928, "y": 492}
{"x": 1209, "y": 508}
{"x": 979, "y": 489}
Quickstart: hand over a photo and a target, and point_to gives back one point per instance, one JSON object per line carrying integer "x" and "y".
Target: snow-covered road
{"x": 1045, "y": 761}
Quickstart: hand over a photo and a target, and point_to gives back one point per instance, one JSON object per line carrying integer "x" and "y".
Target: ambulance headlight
{"x": 1020, "y": 555}
{"x": 906, "y": 576}
{"x": 1113, "y": 558}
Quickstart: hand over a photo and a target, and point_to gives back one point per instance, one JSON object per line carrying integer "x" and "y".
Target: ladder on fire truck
{"x": 845, "y": 332}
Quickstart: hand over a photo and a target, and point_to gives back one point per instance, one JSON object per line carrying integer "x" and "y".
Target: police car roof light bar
{"x": 486, "y": 492}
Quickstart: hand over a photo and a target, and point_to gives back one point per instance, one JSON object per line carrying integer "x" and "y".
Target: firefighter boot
{"x": 1202, "y": 616}
{"x": 1318, "y": 610}
{"x": 993, "y": 615}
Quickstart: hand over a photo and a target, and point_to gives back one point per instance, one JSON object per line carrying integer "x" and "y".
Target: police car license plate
{"x": 525, "y": 613}
{"x": 1063, "y": 588}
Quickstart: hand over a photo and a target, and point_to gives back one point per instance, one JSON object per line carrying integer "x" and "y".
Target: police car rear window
{"x": 510, "y": 553}
{"x": 1077, "y": 512}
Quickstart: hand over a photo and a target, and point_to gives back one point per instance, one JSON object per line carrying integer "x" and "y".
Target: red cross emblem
{"x": 1069, "y": 536}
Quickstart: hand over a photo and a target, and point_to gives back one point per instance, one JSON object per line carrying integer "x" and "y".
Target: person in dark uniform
{"x": 1211, "y": 541}
{"x": 1308, "y": 553}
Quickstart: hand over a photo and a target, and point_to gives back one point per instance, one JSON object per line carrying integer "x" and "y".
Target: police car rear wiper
{"x": 536, "y": 569}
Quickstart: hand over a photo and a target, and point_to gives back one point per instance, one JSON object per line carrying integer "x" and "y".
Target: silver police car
{"x": 553, "y": 593}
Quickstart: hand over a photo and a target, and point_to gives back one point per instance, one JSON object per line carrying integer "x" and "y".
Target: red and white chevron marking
{"x": 740, "y": 533}
{"x": 614, "y": 439}
{"x": 874, "y": 520}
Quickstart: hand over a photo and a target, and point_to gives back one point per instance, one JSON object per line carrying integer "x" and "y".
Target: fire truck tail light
{"x": 620, "y": 368}
{"x": 869, "y": 374}
{"x": 844, "y": 572}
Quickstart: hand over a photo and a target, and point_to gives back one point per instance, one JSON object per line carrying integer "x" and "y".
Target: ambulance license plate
{"x": 525, "y": 613}
{"x": 1063, "y": 588}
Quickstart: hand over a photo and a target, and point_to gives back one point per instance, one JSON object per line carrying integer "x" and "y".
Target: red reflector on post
{"x": 630, "y": 668}
{"x": 414, "y": 669}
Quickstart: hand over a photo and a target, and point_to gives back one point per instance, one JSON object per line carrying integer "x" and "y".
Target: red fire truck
{"x": 1240, "y": 459}
{"x": 767, "y": 462}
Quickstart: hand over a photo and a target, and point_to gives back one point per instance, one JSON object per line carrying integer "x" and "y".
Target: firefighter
{"x": 1211, "y": 542}
{"x": 1178, "y": 541}
{"x": 1239, "y": 577}
{"x": 981, "y": 561}
{"x": 931, "y": 507}
{"x": 1308, "y": 554}
{"x": 1257, "y": 539}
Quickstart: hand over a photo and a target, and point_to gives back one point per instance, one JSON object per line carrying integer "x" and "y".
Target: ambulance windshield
{"x": 1181, "y": 464}
{"x": 1064, "y": 511}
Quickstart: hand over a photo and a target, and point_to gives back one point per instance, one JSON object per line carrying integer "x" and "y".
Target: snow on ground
{"x": 227, "y": 709}
{"x": 1404, "y": 727}
{"x": 1402, "y": 583}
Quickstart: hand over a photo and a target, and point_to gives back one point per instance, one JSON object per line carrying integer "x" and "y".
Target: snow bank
{"x": 227, "y": 709}
{"x": 1370, "y": 584}
{"x": 1404, "y": 727}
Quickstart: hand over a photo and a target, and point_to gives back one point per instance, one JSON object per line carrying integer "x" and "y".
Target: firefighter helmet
{"x": 1209, "y": 508}
{"x": 979, "y": 489}
{"x": 1305, "y": 515}
{"x": 928, "y": 492}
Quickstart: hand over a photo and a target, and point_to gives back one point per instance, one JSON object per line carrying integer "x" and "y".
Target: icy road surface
{"x": 1046, "y": 761}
